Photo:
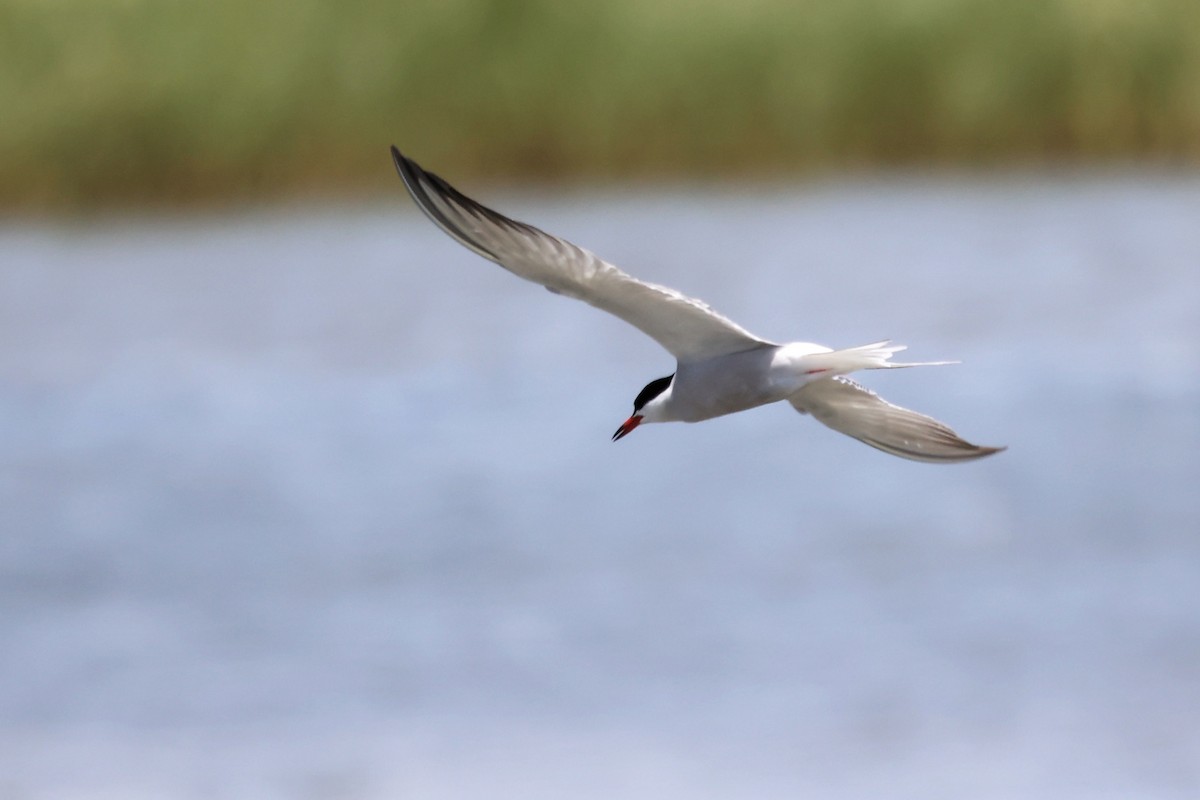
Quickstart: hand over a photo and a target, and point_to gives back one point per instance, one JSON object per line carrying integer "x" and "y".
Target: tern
{"x": 721, "y": 368}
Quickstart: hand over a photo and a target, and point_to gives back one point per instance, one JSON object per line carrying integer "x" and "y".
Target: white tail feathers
{"x": 877, "y": 355}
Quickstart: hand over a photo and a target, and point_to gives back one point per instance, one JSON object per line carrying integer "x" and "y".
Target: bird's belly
{"x": 724, "y": 387}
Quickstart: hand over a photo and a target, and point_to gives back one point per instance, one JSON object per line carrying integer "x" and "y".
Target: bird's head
{"x": 648, "y": 406}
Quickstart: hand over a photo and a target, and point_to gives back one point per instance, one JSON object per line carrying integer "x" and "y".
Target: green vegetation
{"x": 151, "y": 101}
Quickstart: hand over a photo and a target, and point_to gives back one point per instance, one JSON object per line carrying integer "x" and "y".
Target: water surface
{"x": 313, "y": 503}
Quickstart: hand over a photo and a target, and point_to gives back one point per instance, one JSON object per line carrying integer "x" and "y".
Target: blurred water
{"x": 317, "y": 504}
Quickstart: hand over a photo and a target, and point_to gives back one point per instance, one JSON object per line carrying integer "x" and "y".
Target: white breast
{"x": 726, "y": 384}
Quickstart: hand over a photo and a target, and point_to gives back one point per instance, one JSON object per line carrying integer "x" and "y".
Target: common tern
{"x": 720, "y": 366}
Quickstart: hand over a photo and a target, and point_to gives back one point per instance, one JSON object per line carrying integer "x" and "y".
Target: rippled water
{"x": 317, "y": 504}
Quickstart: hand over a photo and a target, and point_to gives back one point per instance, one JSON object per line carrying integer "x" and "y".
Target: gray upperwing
{"x": 848, "y": 408}
{"x": 686, "y": 327}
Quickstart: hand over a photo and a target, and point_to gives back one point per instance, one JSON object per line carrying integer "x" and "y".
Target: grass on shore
{"x": 166, "y": 101}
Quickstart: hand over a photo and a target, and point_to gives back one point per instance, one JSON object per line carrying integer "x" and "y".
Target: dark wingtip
{"x": 404, "y": 165}
{"x": 972, "y": 452}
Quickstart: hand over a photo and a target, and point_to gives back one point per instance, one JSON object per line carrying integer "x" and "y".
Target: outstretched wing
{"x": 686, "y": 327}
{"x": 855, "y": 411}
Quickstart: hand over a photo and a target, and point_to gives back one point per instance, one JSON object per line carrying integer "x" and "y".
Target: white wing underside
{"x": 686, "y": 327}
{"x": 848, "y": 408}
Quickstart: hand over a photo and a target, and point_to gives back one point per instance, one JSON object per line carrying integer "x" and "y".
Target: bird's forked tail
{"x": 877, "y": 355}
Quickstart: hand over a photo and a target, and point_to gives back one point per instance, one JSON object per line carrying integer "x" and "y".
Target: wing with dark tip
{"x": 687, "y": 328}
{"x": 855, "y": 411}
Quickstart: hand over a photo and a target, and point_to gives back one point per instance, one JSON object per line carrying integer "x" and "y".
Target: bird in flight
{"x": 720, "y": 367}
